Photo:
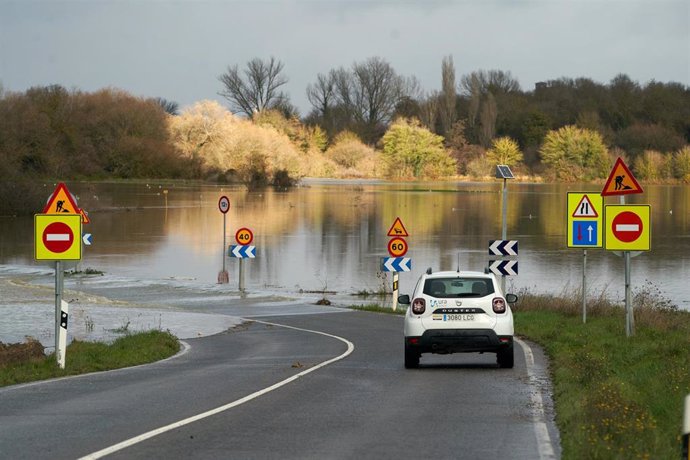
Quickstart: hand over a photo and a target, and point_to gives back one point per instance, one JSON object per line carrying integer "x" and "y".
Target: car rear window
{"x": 449, "y": 288}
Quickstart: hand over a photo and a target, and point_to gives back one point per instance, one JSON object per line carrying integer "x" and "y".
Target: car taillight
{"x": 418, "y": 306}
{"x": 499, "y": 305}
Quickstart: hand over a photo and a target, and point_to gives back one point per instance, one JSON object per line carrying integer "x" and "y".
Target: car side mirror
{"x": 404, "y": 299}
{"x": 511, "y": 298}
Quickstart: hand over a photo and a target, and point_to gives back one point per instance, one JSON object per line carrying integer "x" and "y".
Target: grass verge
{"x": 84, "y": 357}
{"x": 616, "y": 397}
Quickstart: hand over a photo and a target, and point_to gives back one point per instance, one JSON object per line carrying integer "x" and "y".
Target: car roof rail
{"x": 428, "y": 271}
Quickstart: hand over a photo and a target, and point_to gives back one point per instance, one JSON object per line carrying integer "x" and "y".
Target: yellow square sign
{"x": 57, "y": 237}
{"x": 585, "y": 216}
{"x": 628, "y": 227}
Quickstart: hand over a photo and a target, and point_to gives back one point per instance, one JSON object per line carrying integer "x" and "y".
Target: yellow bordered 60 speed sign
{"x": 628, "y": 227}
{"x": 57, "y": 237}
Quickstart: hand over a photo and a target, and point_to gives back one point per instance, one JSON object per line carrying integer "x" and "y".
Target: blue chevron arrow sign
{"x": 503, "y": 247}
{"x": 504, "y": 267}
{"x": 396, "y": 264}
{"x": 242, "y": 252}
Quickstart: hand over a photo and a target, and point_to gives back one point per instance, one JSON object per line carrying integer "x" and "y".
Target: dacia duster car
{"x": 458, "y": 312}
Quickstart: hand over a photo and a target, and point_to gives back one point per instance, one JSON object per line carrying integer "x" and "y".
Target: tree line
{"x": 365, "y": 120}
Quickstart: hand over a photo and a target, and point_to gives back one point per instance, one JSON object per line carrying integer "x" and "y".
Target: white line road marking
{"x": 540, "y": 429}
{"x": 187, "y": 421}
{"x": 57, "y": 237}
{"x": 627, "y": 228}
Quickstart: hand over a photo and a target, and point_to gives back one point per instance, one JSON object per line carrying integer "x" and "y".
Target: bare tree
{"x": 169, "y": 107}
{"x": 488, "y": 120}
{"x": 448, "y": 96}
{"x": 370, "y": 92}
{"x": 322, "y": 97}
{"x": 256, "y": 88}
{"x": 428, "y": 110}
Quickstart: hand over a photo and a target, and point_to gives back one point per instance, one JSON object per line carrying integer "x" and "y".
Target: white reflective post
{"x": 395, "y": 290}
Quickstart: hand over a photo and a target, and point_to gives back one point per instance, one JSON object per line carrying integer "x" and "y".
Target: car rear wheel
{"x": 411, "y": 358}
{"x": 505, "y": 357}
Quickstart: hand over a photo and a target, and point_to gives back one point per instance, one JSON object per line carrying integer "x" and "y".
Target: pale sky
{"x": 177, "y": 49}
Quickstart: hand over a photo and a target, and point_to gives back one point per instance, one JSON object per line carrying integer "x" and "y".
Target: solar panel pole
{"x": 504, "y": 232}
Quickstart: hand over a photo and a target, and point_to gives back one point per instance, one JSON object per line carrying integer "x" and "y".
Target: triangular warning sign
{"x": 397, "y": 229}
{"x": 585, "y": 208}
{"x": 62, "y": 202}
{"x": 621, "y": 181}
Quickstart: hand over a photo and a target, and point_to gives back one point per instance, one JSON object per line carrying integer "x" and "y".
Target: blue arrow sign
{"x": 242, "y": 252}
{"x": 585, "y": 233}
{"x": 504, "y": 267}
{"x": 396, "y": 264}
{"x": 87, "y": 239}
{"x": 503, "y": 247}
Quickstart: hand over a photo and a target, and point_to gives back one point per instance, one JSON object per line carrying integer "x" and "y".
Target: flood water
{"x": 331, "y": 235}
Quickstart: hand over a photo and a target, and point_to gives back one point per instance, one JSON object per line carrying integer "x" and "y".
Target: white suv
{"x": 458, "y": 312}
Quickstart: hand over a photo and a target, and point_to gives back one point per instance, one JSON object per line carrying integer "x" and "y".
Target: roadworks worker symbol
{"x": 63, "y": 202}
{"x": 621, "y": 181}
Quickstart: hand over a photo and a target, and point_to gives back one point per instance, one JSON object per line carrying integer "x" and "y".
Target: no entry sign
{"x": 628, "y": 228}
{"x": 57, "y": 237}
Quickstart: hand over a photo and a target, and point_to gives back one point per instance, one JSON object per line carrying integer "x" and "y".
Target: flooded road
{"x": 161, "y": 245}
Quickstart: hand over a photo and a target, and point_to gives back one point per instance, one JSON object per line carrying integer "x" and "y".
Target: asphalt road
{"x": 363, "y": 404}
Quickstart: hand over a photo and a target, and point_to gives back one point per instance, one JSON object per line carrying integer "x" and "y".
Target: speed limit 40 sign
{"x": 244, "y": 236}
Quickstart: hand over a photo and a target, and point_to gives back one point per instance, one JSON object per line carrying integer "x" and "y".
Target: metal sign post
{"x": 59, "y": 284}
{"x": 223, "y": 206}
{"x": 504, "y": 172}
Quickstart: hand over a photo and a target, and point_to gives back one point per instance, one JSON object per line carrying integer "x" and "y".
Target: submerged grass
{"x": 84, "y": 357}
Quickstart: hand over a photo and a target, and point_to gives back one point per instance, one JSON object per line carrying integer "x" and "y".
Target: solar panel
{"x": 504, "y": 172}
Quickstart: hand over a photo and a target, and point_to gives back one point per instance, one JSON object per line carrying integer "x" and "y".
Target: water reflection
{"x": 331, "y": 235}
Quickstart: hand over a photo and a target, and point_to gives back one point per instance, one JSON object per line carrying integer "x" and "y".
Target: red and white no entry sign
{"x": 58, "y": 237}
{"x": 627, "y": 226}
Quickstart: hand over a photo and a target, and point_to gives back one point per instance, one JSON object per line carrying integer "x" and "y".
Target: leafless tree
{"x": 448, "y": 95}
{"x": 256, "y": 88}
{"x": 321, "y": 95}
{"x": 371, "y": 91}
{"x": 488, "y": 120}
{"x": 169, "y": 107}
{"x": 428, "y": 110}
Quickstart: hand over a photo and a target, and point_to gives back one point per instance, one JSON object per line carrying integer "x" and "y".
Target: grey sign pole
{"x": 629, "y": 313}
{"x": 241, "y": 287}
{"x": 504, "y": 172}
{"x": 584, "y": 286}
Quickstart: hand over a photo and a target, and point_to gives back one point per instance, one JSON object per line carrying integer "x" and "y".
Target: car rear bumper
{"x": 458, "y": 341}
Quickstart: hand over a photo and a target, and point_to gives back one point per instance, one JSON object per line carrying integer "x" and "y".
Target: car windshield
{"x": 449, "y": 288}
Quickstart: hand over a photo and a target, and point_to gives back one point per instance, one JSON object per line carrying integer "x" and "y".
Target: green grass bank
{"x": 616, "y": 397}
{"x": 85, "y": 357}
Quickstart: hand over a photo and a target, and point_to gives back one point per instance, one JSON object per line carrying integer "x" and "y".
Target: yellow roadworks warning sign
{"x": 62, "y": 202}
{"x": 621, "y": 181}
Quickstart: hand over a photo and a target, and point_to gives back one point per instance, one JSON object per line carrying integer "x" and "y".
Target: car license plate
{"x": 458, "y": 317}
